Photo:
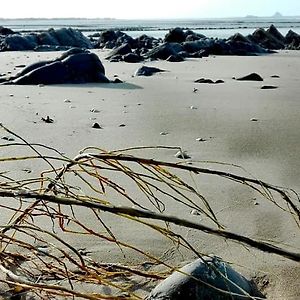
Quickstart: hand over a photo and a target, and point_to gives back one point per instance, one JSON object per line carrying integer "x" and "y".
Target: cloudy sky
{"x": 139, "y": 9}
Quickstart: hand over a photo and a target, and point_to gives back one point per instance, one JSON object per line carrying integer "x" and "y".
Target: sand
{"x": 239, "y": 123}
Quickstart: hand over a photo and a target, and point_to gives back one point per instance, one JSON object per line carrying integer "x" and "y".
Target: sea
{"x": 216, "y": 28}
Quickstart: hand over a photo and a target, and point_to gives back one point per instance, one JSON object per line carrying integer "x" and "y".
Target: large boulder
{"x": 206, "y": 278}
{"x": 293, "y": 40}
{"x": 164, "y": 51}
{"x": 63, "y": 37}
{"x": 121, "y": 50}
{"x": 265, "y": 39}
{"x": 74, "y": 66}
{"x": 5, "y": 31}
{"x": 70, "y": 37}
{"x": 272, "y": 30}
{"x": 175, "y": 35}
{"x": 17, "y": 42}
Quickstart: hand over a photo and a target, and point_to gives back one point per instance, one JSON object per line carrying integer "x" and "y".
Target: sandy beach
{"x": 234, "y": 122}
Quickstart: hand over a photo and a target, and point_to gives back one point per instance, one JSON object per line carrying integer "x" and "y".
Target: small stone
{"x": 94, "y": 110}
{"x": 67, "y": 101}
{"x": 122, "y": 125}
{"x": 182, "y": 155}
{"x": 275, "y": 76}
{"x": 47, "y": 120}
{"x": 72, "y": 106}
{"x": 195, "y": 212}
{"x": 163, "y": 133}
{"x": 195, "y": 90}
{"x": 193, "y": 107}
{"x": 201, "y": 140}
{"x": 8, "y": 138}
{"x": 11, "y": 95}
{"x": 253, "y": 120}
{"x": 96, "y": 126}
{"x": 256, "y": 203}
{"x": 27, "y": 97}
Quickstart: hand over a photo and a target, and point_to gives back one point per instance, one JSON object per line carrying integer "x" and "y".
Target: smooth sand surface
{"x": 221, "y": 114}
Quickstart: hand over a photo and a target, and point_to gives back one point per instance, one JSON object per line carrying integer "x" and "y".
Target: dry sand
{"x": 267, "y": 148}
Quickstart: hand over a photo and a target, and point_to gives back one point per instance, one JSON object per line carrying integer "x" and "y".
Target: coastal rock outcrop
{"x": 67, "y": 37}
{"x": 74, "y": 66}
{"x": 206, "y": 278}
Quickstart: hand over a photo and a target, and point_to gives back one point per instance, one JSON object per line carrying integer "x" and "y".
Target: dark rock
{"x": 70, "y": 37}
{"x": 204, "y": 80}
{"x": 147, "y": 71}
{"x": 275, "y": 76}
{"x": 219, "y": 81}
{"x": 116, "y": 58}
{"x": 48, "y": 38}
{"x": 164, "y": 51}
{"x": 80, "y": 67}
{"x": 64, "y": 37}
{"x": 293, "y": 40}
{"x": 269, "y": 87}
{"x": 47, "y": 119}
{"x": 251, "y": 77}
{"x": 112, "y": 39}
{"x": 175, "y": 35}
{"x": 175, "y": 58}
{"x": 121, "y": 50}
{"x": 96, "y": 126}
{"x": 132, "y": 58}
{"x": 117, "y": 80}
{"x": 5, "y": 31}
{"x": 265, "y": 39}
{"x": 272, "y": 30}
{"x": 205, "y": 278}
{"x": 17, "y": 42}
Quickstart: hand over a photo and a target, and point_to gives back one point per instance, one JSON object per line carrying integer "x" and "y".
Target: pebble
{"x": 193, "y": 107}
{"x": 163, "y": 133}
{"x": 8, "y": 138}
{"x": 72, "y": 106}
{"x": 94, "y": 110}
{"x": 182, "y": 155}
{"x": 11, "y": 95}
{"x": 67, "y": 101}
{"x": 254, "y": 120}
{"x": 47, "y": 120}
{"x": 122, "y": 125}
{"x": 195, "y": 212}
{"x": 195, "y": 90}
{"x": 96, "y": 125}
{"x": 201, "y": 140}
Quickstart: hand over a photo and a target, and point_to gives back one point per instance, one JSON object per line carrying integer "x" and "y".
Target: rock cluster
{"x": 52, "y": 39}
{"x": 177, "y": 45}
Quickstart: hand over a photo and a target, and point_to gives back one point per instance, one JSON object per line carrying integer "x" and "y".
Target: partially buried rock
{"x": 47, "y": 119}
{"x": 96, "y": 126}
{"x": 251, "y": 77}
{"x": 147, "y": 71}
{"x": 269, "y": 87}
{"x": 207, "y": 80}
{"x": 206, "y": 278}
{"x": 182, "y": 155}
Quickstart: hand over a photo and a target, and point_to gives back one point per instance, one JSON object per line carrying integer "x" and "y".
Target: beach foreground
{"x": 232, "y": 122}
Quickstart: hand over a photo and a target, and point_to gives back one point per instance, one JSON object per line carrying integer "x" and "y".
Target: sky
{"x": 153, "y": 9}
